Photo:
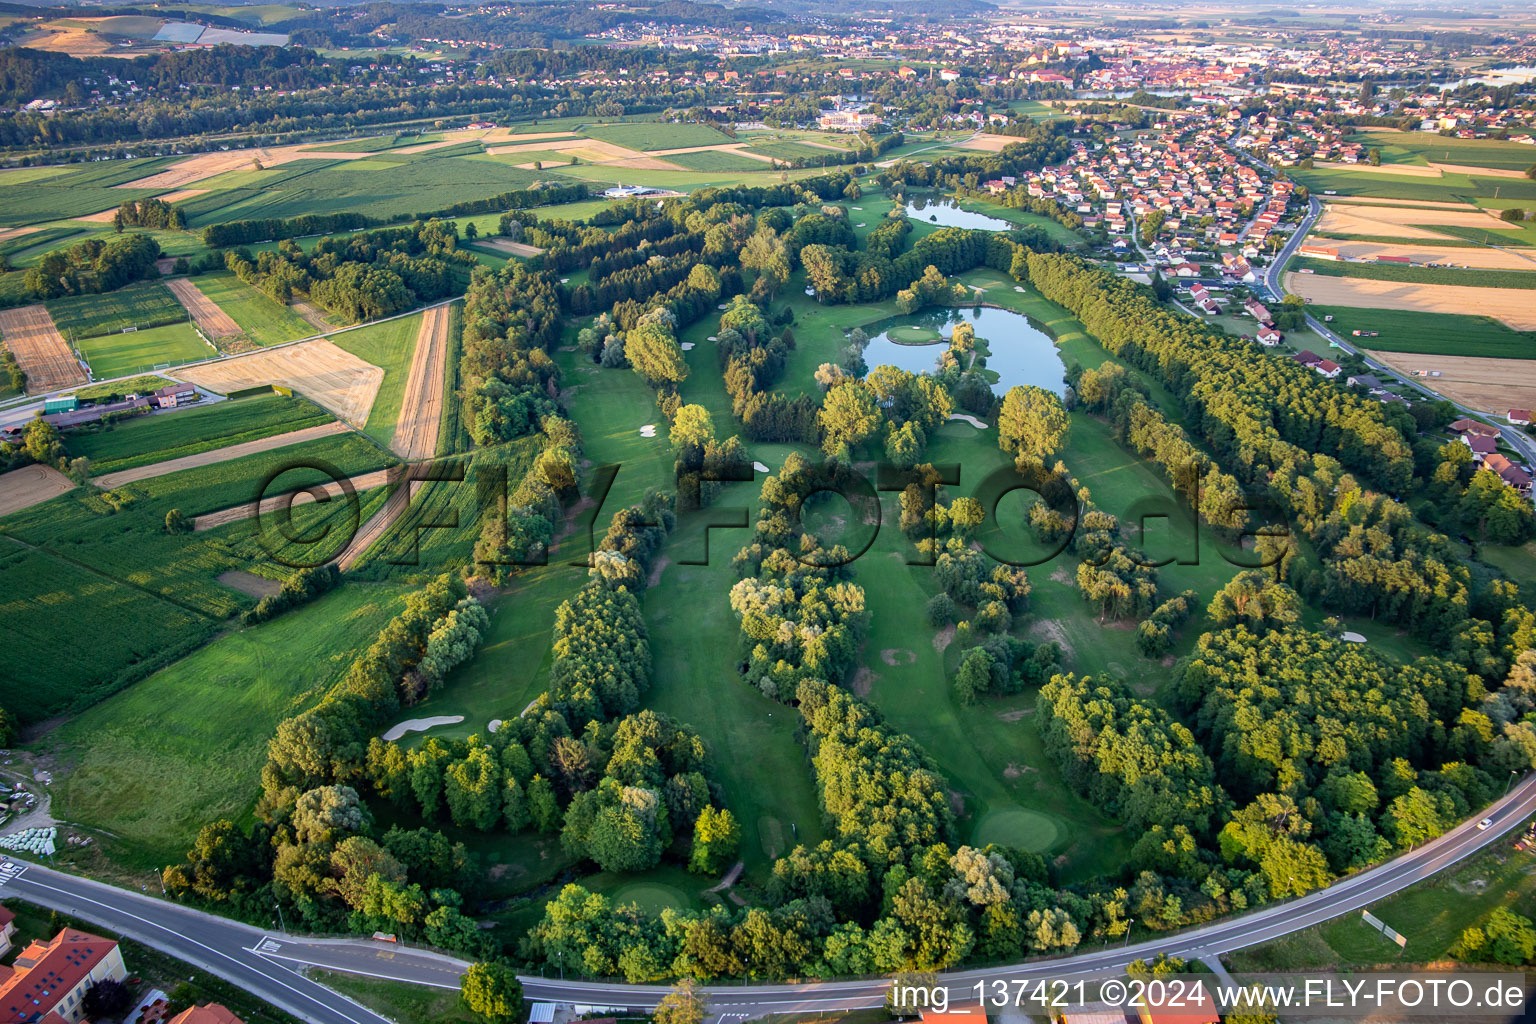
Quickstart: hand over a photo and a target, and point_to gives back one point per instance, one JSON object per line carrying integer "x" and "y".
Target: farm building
{"x": 1319, "y": 252}
{"x": 173, "y": 395}
{"x": 65, "y": 403}
{"x": 1519, "y": 417}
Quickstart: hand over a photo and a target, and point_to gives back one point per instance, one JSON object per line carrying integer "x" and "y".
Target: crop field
{"x": 1493, "y": 385}
{"x": 1448, "y": 187}
{"x": 41, "y": 351}
{"x": 331, "y": 377}
{"x": 1512, "y": 306}
{"x": 145, "y": 440}
{"x": 261, "y": 318}
{"x": 645, "y": 135}
{"x": 142, "y": 304}
{"x": 1468, "y": 277}
{"x": 115, "y": 355}
{"x": 377, "y": 188}
{"x": 118, "y": 632}
{"x": 1454, "y": 252}
{"x": 154, "y": 787}
{"x": 388, "y": 346}
{"x": 716, "y": 160}
{"x": 76, "y": 192}
{"x": 128, "y": 542}
{"x": 1451, "y": 334}
{"x": 1422, "y": 148}
{"x": 791, "y": 150}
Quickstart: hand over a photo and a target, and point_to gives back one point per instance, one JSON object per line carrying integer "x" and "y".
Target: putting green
{"x": 1015, "y": 826}
{"x": 651, "y": 897}
{"x": 910, "y": 334}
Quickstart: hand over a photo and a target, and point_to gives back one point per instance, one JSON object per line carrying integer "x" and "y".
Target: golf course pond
{"x": 947, "y": 214}
{"x": 1018, "y": 349}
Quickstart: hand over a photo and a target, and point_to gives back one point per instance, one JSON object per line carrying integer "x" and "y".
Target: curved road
{"x": 267, "y": 964}
{"x": 1513, "y": 436}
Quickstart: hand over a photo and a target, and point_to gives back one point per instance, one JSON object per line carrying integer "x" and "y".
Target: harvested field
{"x": 509, "y": 247}
{"x": 593, "y": 151}
{"x": 1398, "y": 170}
{"x": 180, "y": 194}
{"x": 1492, "y": 385}
{"x": 1512, "y": 306}
{"x": 41, "y": 350}
{"x": 214, "y": 321}
{"x": 1397, "y": 222}
{"x": 987, "y": 143}
{"x": 422, "y": 408}
{"x": 360, "y": 483}
{"x": 31, "y": 485}
{"x": 1481, "y": 172}
{"x": 10, "y": 233}
{"x": 332, "y": 378}
{"x": 1407, "y": 204}
{"x": 207, "y": 165}
{"x": 101, "y": 217}
{"x": 1482, "y": 259}
{"x": 217, "y": 455}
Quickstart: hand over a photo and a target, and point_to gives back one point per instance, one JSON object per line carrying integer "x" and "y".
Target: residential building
{"x": 209, "y": 1013}
{"x": 53, "y": 977}
{"x": 7, "y": 930}
{"x": 1519, "y": 417}
{"x": 1511, "y": 474}
{"x": 1328, "y": 368}
{"x": 1481, "y": 446}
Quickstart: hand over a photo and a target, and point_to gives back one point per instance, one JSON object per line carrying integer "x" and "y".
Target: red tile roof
{"x": 211, "y": 1013}
{"x": 45, "y": 972}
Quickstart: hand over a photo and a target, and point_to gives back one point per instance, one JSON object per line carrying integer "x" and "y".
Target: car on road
{"x": 1483, "y": 825}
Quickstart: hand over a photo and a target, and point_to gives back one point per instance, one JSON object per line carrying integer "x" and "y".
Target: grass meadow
{"x": 153, "y": 787}
{"x": 263, "y": 319}
{"x": 650, "y": 135}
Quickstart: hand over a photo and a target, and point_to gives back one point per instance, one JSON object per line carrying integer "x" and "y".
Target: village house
{"x": 1481, "y": 446}
{"x": 52, "y": 978}
{"x": 1519, "y": 417}
{"x": 1512, "y": 475}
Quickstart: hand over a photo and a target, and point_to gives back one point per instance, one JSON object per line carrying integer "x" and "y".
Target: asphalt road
{"x": 267, "y": 964}
{"x": 1271, "y": 922}
{"x": 1516, "y": 438}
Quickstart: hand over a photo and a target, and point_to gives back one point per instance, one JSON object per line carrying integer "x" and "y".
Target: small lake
{"x": 945, "y": 213}
{"x": 1021, "y": 351}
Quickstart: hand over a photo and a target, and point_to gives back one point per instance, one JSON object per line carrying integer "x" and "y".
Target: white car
{"x": 1483, "y": 825}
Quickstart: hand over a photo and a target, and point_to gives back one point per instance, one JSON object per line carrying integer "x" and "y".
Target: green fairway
{"x": 173, "y": 435}
{"x": 142, "y": 304}
{"x": 1448, "y": 334}
{"x": 648, "y": 135}
{"x": 116, "y": 355}
{"x": 388, "y": 345}
{"x": 154, "y": 763}
{"x": 263, "y": 319}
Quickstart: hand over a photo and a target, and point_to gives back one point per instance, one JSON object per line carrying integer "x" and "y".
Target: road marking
{"x": 9, "y": 870}
{"x": 367, "y": 974}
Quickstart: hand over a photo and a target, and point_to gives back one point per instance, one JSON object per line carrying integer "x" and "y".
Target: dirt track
{"x": 214, "y": 321}
{"x": 332, "y": 378}
{"x": 422, "y": 408}
{"x": 1492, "y": 385}
{"x": 1516, "y": 307}
{"x": 31, "y": 485}
{"x": 217, "y": 455}
{"x": 1429, "y": 252}
{"x": 362, "y": 482}
{"x": 40, "y": 349}
{"x": 394, "y": 507}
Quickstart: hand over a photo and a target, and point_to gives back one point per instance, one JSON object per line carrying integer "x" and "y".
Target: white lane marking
{"x": 216, "y": 952}
{"x": 367, "y": 974}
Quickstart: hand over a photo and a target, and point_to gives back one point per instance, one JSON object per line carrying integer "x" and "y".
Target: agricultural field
{"x": 146, "y": 440}
{"x": 152, "y": 788}
{"x": 389, "y": 346}
{"x": 262, "y": 319}
{"x": 1445, "y": 187}
{"x": 142, "y": 304}
{"x": 1473, "y": 277}
{"x": 647, "y": 136}
{"x": 1451, "y": 334}
{"x": 116, "y": 355}
{"x": 76, "y": 192}
{"x": 1426, "y": 148}
{"x": 716, "y": 160}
